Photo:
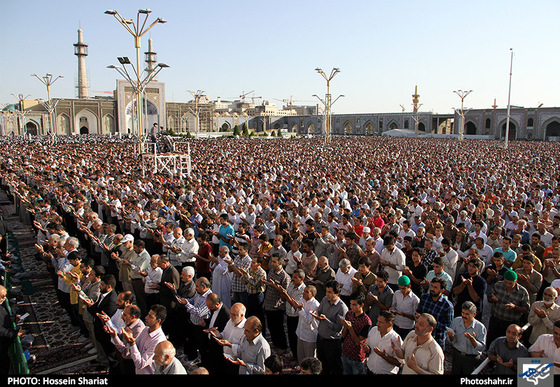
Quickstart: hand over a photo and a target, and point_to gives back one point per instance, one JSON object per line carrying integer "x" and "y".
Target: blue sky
{"x": 383, "y": 49}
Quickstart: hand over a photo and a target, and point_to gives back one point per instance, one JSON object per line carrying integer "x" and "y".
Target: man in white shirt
{"x": 344, "y": 276}
{"x": 232, "y": 335}
{"x": 189, "y": 249}
{"x": 379, "y": 345}
{"x": 450, "y": 258}
{"x": 548, "y": 346}
{"x": 306, "y": 330}
{"x": 485, "y": 251}
{"x": 393, "y": 261}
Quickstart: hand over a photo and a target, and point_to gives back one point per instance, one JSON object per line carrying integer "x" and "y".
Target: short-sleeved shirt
{"x": 361, "y": 325}
{"x": 444, "y": 275}
{"x": 429, "y": 355}
{"x": 499, "y": 347}
{"x": 546, "y": 343}
{"x": 375, "y": 363}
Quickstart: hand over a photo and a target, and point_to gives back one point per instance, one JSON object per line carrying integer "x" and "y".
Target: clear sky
{"x": 383, "y": 49}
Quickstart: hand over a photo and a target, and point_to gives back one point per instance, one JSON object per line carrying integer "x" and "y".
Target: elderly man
{"x": 232, "y": 335}
{"x": 544, "y": 314}
{"x": 199, "y": 312}
{"x": 253, "y": 351}
{"x": 344, "y": 276}
{"x": 420, "y": 353}
{"x": 165, "y": 360}
{"x": 124, "y": 262}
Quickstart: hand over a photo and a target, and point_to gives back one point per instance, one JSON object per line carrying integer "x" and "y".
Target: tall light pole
{"x": 416, "y": 117}
{"x": 137, "y": 30}
{"x": 509, "y": 95}
{"x": 196, "y": 95}
{"x": 327, "y": 102}
{"x": 48, "y": 80}
{"x": 21, "y": 114}
{"x": 137, "y": 82}
{"x": 462, "y": 94}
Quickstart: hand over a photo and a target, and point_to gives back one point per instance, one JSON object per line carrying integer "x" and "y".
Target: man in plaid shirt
{"x": 275, "y": 305}
{"x": 510, "y": 301}
{"x": 439, "y": 306}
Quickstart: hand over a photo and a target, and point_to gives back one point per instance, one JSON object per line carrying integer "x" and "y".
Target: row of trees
{"x": 244, "y": 132}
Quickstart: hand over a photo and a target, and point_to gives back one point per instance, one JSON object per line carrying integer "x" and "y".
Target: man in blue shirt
{"x": 439, "y": 306}
{"x": 509, "y": 254}
{"x": 468, "y": 337}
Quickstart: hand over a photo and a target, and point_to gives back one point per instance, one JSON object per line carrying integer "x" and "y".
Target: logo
{"x": 535, "y": 372}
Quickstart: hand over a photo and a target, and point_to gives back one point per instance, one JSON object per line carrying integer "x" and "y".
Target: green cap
{"x": 404, "y": 281}
{"x": 510, "y": 275}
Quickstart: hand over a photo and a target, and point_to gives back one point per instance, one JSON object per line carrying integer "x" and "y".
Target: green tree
{"x": 236, "y": 131}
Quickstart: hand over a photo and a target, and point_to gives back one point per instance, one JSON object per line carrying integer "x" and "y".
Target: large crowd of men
{"x": 353, "y": 256}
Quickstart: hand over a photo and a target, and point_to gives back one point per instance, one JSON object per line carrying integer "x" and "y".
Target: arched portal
{"x": 553, "y": 129}
{"x": 369, "y": 129}
{"x": 512, "y": 133}
{"x": 310, "y": 128}
{"x": 63, "y": 122}
{"x": 31, "y": 128}
{"x": 470, "y": 128}
{"x": 150, "y": 115}
{"x": 85, "y": 122}
{"x": 347, "y": 128}
{"x": 226, "y": 127}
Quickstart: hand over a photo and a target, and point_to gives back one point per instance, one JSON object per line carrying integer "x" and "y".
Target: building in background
{"x": 113, "y": 112}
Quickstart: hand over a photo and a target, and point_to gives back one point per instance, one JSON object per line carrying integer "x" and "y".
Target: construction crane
{"x": 243, "y": 95}
{"x": 253, "y": 98}
{"x": 290, "y": 101}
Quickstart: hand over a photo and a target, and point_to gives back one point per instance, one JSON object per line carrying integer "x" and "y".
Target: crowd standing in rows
{"x": 363, "y": 255}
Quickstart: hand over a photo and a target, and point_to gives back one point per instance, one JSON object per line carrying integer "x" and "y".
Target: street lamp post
{"x": 327, "y": 102}
{"x": 48, "y": 80}
{"x": 21, "y": 114}
{"x": 416, "y": 118}
{"x": 137, "y": 30}
{"x": 138, "y": 83}
{"x": 462, "y": 94}
{"x": 509, "y": 106}
{"x": 196, "y": 95}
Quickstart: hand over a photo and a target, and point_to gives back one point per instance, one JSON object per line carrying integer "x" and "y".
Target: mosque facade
{"x": 114, "y": 114}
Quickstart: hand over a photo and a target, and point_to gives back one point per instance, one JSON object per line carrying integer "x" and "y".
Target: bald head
{"x": 164, "y": 353}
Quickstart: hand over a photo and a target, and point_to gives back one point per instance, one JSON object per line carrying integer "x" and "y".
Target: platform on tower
{"x": 171, "y": 163}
